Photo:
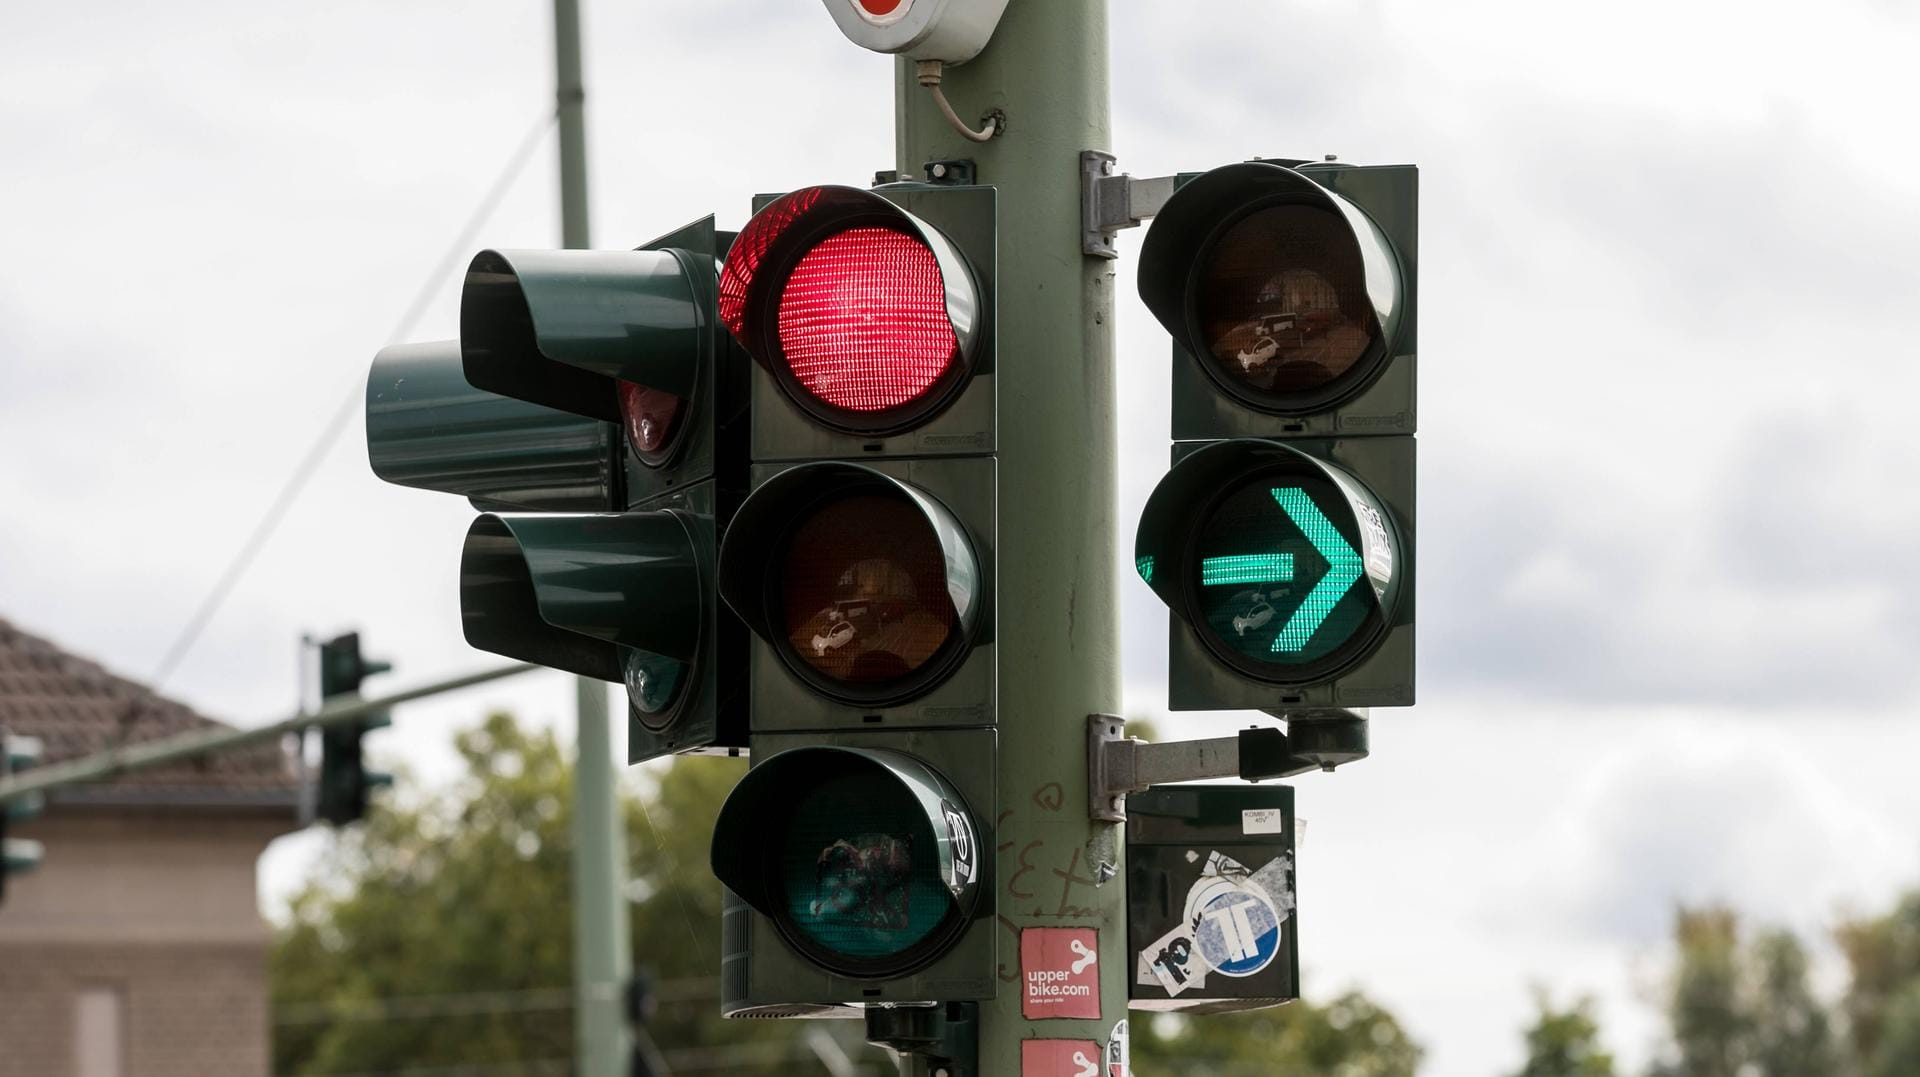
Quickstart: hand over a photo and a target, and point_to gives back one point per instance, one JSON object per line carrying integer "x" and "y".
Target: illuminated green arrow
{"x": 1343, "y": 568}
{"x": 1243, "y": 568}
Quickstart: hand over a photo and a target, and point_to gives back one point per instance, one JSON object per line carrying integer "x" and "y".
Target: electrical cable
{"x": 330, "y": 433}
{"x": 929, "y": 74}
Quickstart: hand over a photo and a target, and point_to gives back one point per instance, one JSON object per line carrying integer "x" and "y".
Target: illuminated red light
{"x": 863, "y": 320}
{"x": 650, "y": 417}
{"x": 879, "y": 7}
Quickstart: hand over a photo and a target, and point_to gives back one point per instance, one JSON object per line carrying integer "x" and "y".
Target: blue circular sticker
{"x": 1236, "y": 931}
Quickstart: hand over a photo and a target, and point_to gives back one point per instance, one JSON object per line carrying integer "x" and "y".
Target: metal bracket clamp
{"x": 1109, "y": 203}
{"x": 1118, "y": 764}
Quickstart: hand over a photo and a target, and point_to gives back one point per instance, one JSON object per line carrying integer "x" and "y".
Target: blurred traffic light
{"x": 18, "y": 855}
{"x": 344, "y": 782}
{"x": 862, "y": 563}
{"x": 1282, "y": 538}
{"x": 594, "y": 409}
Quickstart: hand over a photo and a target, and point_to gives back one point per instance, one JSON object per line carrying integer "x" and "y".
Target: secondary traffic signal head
{"x": 589, "y": 388}
{"x": 869, "y": 314}
{"x": 1282, "y": 538}
{"x": 1286, "y": 567}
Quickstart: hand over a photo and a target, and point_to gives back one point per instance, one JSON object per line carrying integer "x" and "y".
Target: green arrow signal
{"x": 1246, "y": 568}
{"x": 1343, "y": 568}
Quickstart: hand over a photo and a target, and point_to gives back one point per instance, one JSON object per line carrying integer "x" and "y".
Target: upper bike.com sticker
{"x": 1059, "y": 972}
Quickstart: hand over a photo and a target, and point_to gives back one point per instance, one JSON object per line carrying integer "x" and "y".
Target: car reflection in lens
{"x": 877, "y": 626}
{"x": 1297, "y": 336}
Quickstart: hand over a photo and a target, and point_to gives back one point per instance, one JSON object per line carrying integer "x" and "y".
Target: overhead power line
{"x": 330, "y": 433}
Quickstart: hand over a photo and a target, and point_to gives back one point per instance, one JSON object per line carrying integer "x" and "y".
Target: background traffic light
{"x": 344, "y": 783}
{"x": 18, "y": 855}
{"x": 1282, "y": 539}
{"x": 857, "y": 852}
{"x": 595, "y": 408}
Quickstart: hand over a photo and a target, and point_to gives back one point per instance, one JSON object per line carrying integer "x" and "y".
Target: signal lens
{"x": 1280, "y": 575}
{"x": 864, "y": 591}
{"x": 1282, "y": 301}
{"x": 651, "y": 416}
{"x": 863, "y": 320}
{"x": 859, "y": 867}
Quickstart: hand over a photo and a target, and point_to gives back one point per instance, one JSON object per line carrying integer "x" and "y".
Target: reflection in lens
{"x": 863, "y": 590}
{"x": 859, "y": 867}
{"x": 649, "y": 416}
{"x": 1282, "y": 300}
{"x": 652, "y": 683}
{"x": 1281, "y": 571}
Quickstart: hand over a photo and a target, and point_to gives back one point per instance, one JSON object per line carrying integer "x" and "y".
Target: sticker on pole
{"x": 1236, "y": 929}
{"x": 1119, "y": 1062}
{"x": 1060, "y": 1058}
{"x": 1059, "y": 972}
{"x": 1232, "y": 925}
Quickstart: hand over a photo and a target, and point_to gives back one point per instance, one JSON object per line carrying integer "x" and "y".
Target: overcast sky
{"x": 1667, "y": 618}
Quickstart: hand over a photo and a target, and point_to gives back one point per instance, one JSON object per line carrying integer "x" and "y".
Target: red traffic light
{"x": 867, "y": 317}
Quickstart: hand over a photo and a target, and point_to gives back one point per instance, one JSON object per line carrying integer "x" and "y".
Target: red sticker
{"x": 1059, "y": 1058}
{"x": 1059, "y": 972}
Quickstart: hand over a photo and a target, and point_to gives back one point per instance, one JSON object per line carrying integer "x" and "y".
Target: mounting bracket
{"x": 1109, "y": 203}
{"x": 1118, "y": 764}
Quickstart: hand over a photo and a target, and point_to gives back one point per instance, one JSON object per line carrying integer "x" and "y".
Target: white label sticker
{"x": 1262, "y": 821}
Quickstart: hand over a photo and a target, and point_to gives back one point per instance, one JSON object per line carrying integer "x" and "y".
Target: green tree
{"x": 438, "y": 932}
{"x": 1744, "y": 1009}
{"x": 1883, "y": 955}
{"x": 1352, "y": 1036}
{"x": 1565, "y": 1043}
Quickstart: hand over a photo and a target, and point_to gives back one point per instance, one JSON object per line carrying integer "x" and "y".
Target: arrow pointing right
{"x": 1344, "y": 566}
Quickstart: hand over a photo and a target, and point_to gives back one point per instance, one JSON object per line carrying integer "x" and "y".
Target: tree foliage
{"x": 1352, "y": 1036}
{"x": 1565, "y": 1043}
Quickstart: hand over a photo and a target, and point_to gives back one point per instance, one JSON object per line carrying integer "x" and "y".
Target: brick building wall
{"x": 157, "y": 908}
{"x": 187, "y": 1010}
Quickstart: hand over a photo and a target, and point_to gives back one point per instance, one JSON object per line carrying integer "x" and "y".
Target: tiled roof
{"x": 77, "y": 708}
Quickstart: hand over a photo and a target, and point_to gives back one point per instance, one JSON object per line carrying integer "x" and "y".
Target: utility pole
{"x": 602, "y": 955}
{"x": 1046, "y": 68}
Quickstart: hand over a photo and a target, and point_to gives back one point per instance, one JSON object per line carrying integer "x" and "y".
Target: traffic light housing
{"x": 595, "y": 410}
{"x": 862, "y": 865}
{"x": 18, "y": 855}
{"x": 1282, "y": 539}
{"x": 344, "y": 782}
{"x": 857, "y": 850}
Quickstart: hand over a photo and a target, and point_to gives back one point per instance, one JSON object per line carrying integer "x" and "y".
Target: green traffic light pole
{"x": 1046, "y": 71}
{"x": 602, "y": 956}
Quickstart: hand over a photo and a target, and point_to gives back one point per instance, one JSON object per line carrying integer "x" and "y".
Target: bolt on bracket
{"x": 1118, "y": 764}
{"x": 1109, "y": 203}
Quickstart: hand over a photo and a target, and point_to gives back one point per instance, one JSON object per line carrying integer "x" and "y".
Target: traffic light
{"x": 18, "y": 855}
{"x": 1282, "y": 539}
{"x": 857, "y": 852}
{"x": 341, "y": 796}
{"x": 594, "y": 410}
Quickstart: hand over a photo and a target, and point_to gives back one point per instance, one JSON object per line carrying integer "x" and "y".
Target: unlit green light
{"x": 1246, "y": 568}
{"x": 1343, "y": 568}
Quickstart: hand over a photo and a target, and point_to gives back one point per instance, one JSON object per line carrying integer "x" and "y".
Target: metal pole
{"x": 602, "y": 955}
{"x": 571, "y": 95}
{"x": 602, "y": 952}
{"x": 189, "y": 745}
{"x": 1059, "y": 656}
